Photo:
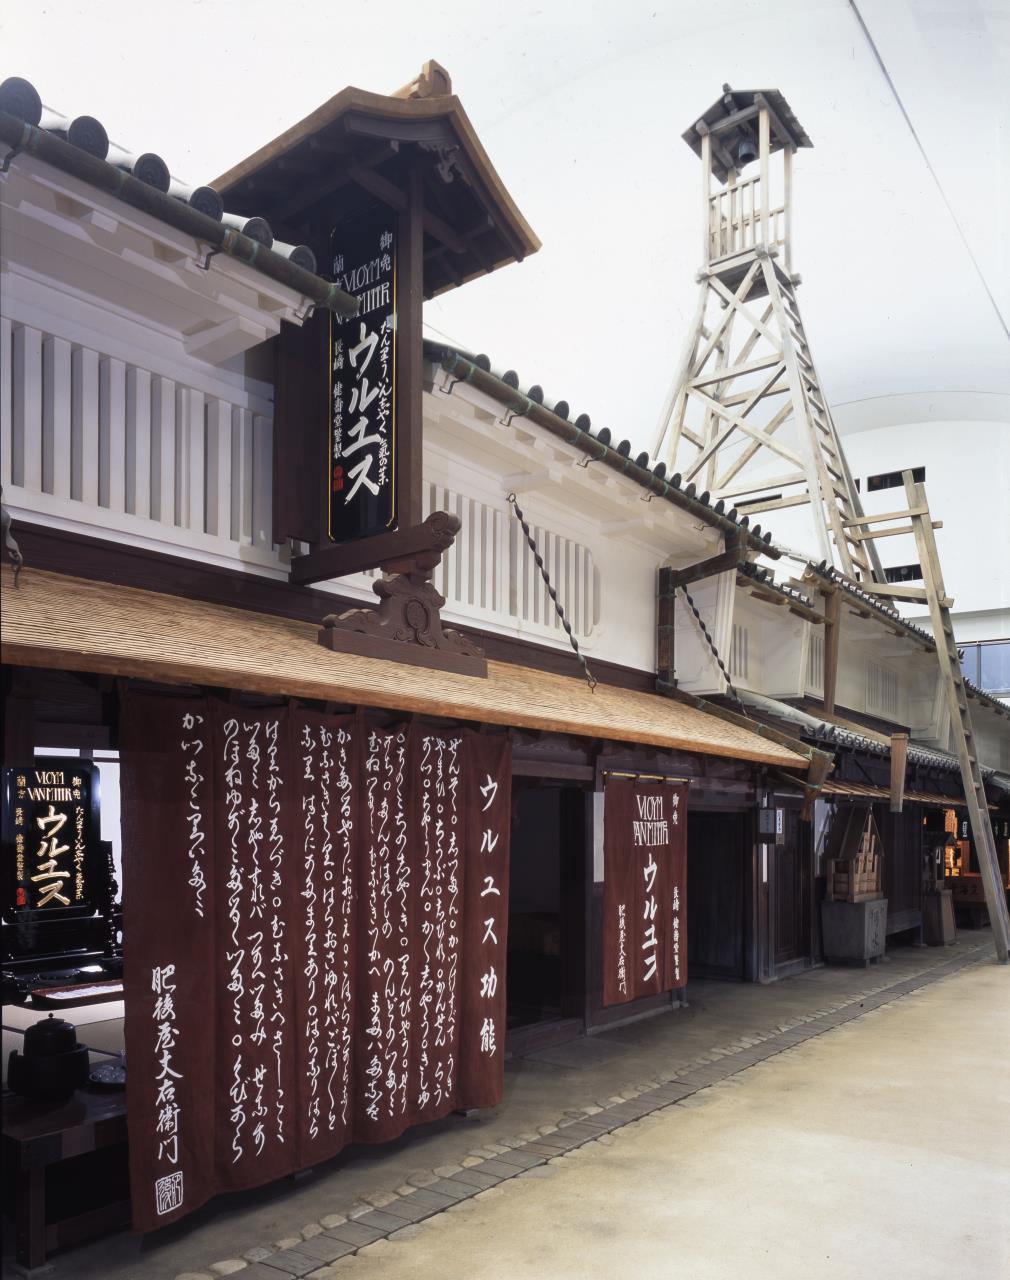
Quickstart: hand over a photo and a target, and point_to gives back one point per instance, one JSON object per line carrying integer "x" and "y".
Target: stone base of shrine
{"x": 854, "y": 932}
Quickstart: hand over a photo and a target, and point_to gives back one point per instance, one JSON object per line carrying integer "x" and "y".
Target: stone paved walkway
{"x": 555, "y": 1101}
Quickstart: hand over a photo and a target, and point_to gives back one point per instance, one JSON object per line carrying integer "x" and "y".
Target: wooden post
{"x": 409, "y": 304}
{"x": 764, "y": 136}
{"x": 899, "y": 754}
{"x": 787, "y": 208}
{"x": 706, "y": 193}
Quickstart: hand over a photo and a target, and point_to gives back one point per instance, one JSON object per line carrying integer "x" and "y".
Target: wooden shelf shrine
{"x": 855, "y": 857}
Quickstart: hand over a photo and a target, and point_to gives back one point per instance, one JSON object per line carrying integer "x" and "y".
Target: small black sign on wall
{"x": 50, "y": 834}
{"x": 361, "y": 497}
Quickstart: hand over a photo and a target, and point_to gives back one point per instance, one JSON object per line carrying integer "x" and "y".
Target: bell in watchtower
{"x": 746, "y": 151}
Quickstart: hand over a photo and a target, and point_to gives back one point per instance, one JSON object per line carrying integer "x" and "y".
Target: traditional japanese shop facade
{"x": 288, "y": 810}
{"x": 350, "y": 872}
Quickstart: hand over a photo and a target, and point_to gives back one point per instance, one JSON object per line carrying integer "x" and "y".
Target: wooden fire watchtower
{"x": 746, "y": 399}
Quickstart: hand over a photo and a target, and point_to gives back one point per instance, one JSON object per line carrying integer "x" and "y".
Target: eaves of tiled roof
{"x": 81, "y": 148}
{"x": 762, "y": 580}
{"x": 825, "y": 573}
{"x": 824, "y": 732}
{"x": 476, "y": 371}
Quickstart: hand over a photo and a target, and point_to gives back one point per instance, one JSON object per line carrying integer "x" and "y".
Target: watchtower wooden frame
{"x": 746, "y": 371}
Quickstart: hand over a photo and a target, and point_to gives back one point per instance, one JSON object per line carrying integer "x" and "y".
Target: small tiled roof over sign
{"x": 80, "y": 146}
{"x": 360, "y": 147}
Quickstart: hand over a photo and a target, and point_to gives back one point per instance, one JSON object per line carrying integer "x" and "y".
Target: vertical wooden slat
{"x": 489, "y": 550}
{"x": 709, "y": 209}
{"x": 587, "y": 590}
{"x": 112, "y": 434}
{"x": 84, "y": 426}
{"x": 219, "y": 473}
{"x": 764, "y": 145}
{"x": 241, "y": 477}
{"x": 262, "y": 483}
{"x": 560, "y": 580}
{"x": 56, "y": 397}
{"x": 6, "y": 424}
{"x": 499, "y": 562}
{"x": 196, "y": 460}
{"x": 163, "y": 450}
{"x": 514, "y": 569}
{"x": 569, "y": 574}
{"x": 138, "y": 442}
{"x": 26, "y": 433}
{"x": 533, "y": 574}
{"x": 472, "y": 553}
{"x": 180, "y": 469}
{"x": 787, "y": 201}
{"x": 459, "y": 575}
{"x": 577, "y": 594}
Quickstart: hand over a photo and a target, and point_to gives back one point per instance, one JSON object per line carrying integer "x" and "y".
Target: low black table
{"x": 38, "y": 1137}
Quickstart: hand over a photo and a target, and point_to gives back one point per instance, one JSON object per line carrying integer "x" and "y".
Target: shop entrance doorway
{"x": 718, "y": 894}
{"x": 547, "y": 904}
{"x": 792, "y": 891}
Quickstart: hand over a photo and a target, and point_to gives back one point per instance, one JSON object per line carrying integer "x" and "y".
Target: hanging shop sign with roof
{"x": 362, "y": 445}
{"x": 644, "y": 888}
{"x": 50, "y": 835}
{"x": 315, "y": 932}
{"x": 398, "y": 194}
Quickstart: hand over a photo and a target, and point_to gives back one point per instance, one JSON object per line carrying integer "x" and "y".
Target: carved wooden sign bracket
{"x": 407, "y": 625}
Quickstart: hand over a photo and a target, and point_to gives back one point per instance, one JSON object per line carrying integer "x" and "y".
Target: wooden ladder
{"x": 921, "y": 526}
{"x": 838, "y": 490}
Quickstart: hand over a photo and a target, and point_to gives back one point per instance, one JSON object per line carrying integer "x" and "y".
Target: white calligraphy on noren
{"x": 440, "y": 917}
{"x": 168, "y": 1187}
{"x": 387, "y": 921}
{"x": 489, "y": 891}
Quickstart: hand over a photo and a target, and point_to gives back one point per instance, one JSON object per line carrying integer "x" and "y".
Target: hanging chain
{"x": 590, "y": 678}
{"x": 715, "y": 652}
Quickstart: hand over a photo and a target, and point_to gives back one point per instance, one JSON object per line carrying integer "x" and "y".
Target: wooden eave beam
{"x": 757, "y": 505}
{"x": 383, "y": 551}
{"x": 762, "y": 591}
{"x": 785, "y": 135}
{"x": 375, "y": 184}
{"x": 362, "y": 124}
{"x": 477, "y": 190}
{"x": 313, "y": 192}
{"x": 769, "y": 596}
{"x": 671, "y": 579}
{"x": 730, "y": 121}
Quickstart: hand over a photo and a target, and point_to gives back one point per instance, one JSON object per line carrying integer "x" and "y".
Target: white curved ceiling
{"x": 581, "y": 107}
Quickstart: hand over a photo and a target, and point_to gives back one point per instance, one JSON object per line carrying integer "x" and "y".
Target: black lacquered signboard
{"x": 50, "y": 834}
{"x": 361, "y": 497}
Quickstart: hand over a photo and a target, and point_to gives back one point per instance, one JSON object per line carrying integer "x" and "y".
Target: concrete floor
{"x": 542, "y": 1087}
{"x": 882, "y": 1148}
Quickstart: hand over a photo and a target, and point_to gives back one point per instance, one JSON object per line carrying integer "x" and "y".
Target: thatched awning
{"x": 53, "y": 620}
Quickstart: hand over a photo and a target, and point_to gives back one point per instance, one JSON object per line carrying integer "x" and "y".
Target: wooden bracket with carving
{"x": 407, "y": 625}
